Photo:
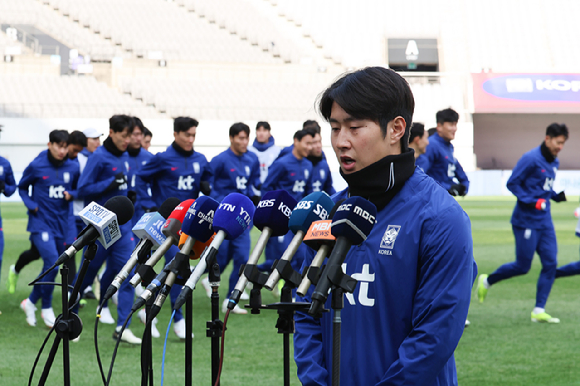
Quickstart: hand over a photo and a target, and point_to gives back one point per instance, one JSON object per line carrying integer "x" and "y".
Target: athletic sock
{"x": 538, "y": 310}
{"x": 486, "y": 283}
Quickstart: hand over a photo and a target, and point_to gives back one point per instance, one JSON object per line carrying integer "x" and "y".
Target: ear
{"x": 396, "y": 130}
{"x": 110, "y": 132}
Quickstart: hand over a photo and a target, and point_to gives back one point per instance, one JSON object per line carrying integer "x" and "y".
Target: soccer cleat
{"x": 236, "y": 309}
{"x": 244, "y": 296}
{"x": 467, "y": 323}
{"x": 481, "y": 290}
{"x": 47, "y": 314}
{"x": 127, "y": 336}
{"x": 105, "y": 316}
{"x": 179, "y": 329}
{"x": 12, "y": 280}
{"x": 544, "y": 318}
{"x": 205, "y": 284}
{"x": 89, "y": 294}
{"x": 29, "y": 309}
{"x": 143, "y": 318}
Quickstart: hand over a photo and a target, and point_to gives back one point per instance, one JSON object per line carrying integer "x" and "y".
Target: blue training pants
{"x": 528, "y": 241}
{"x": 237, "y": 250}
{"x": 50, "y": 248}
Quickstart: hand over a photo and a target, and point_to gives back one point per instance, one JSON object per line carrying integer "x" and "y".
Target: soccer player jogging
{"x": 178, "y": 172}
{"x": 264, "y": 148}
{"x": 138, "y": 158}
{"x": 531, "y": 182}
{"x": 7, "y": 187}
{"x": 418, "y": 139}
{"x": 415, "y": 269}
{"x": 104, "y": 177}
{"x": 53, "y": 178}
{"x": 439, "y": 161}
{"x": 293, "y": 173}
{"x": 235, "y": 170}
{"x": 321, "y": 177}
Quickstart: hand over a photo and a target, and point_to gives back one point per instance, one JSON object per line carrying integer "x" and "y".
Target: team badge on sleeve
{"x": 390, "y": 236}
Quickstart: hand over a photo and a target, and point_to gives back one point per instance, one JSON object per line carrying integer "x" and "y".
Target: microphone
{"x": 271, "y": 217}
{"x": 232, "y": 218}
{"x": 313, "y": 207}
{"x": 320, "y": 239}
{"x": 198, "y": 247}
{"x": 197, "y": 224}
{"x": 172, "y": 230}
{"x": 148, "y": 229}
{"x": 352, "y": 223}
{"x": 102, "y": 223}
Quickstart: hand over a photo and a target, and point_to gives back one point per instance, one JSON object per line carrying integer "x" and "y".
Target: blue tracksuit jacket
{"x": 232, "y": 173}
{"x": 406, "y": 316}
{"x": 136, "y": 184}
{"x": 290, "y": 174}
{"x": 7, "y": 176}
{"x": 174, "y": 175}
{"x": 49, "y": 183}
{"x": 440, "y": 163}
{"x": 321, "y": 178}
{"x": 533, "y": 178}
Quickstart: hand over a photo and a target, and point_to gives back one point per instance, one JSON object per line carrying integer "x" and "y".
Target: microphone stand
{"x": 68, "y": 325}
{"x": 215, "y": 326}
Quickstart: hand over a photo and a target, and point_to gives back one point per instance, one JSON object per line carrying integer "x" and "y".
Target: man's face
{"x": 316, "y": 146}
{"x": 74, "y": 150}
{"x": 446, "y": 130}
{"x": 304, "y": 146}
{"x": 93, "y": 143}
{"x": 421, "y": 142}
{"x": 185, "y": 139}
{"x": 555, "y": 144}
{"x": 146, "y": 142}
{"x": 121, "y": 139}
{"x": 359, "y": 143}
{"x": 58, "y": 150}
{"x": 239, "y": 143}
{"x": 262, "y": 135}
{"x": 136, "y": 138}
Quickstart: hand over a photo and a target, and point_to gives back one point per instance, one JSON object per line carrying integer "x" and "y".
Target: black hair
{"x": 147, "y": 132}
{"x": 556, "y": 130}
{"x": 263, "y": 124}
{"x": 312, "y": 125}
{"x": 77, "y": 138}
{"x": 184, "y": 124}
{"x": 139, "y": 124}
{"x": 118, "y": 123}
{"x": 58, "y": 136}
{"x": 303, "y": 133}
{"x": 432, "y": 131}
{"x": 238, "y": 127}
{"x": 374, "y": 93}
{"x": 417, "y": 130}
{"x": 447, "y": 115}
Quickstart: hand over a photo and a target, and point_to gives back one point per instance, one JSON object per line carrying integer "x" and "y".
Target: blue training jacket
{"x": 406, "y": 316}
{"x": 232, "y": 173}
{"x": 290, "y": 174}
{"x": 7, "y": 176}
{"x": 321, "y": 178}
{"x": 174, "y": 175}
{"x": 440, "y": 163}
{"x": 533, "y": 178}
{"x": 49, "y": 182}
{"x": 136, "y": 184}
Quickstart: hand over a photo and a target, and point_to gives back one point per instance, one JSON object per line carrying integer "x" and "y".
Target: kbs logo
{"x": 364, "y": 279}
{"x": 266, "y": 203}
{"x": 299, "y": 186}
{"x": 548, "y": 184}
{"x": 56, "y": 192}
{"x": 241, "y": 183}
{"x": 185, "y": 183}
{"x": 285, "y": 209}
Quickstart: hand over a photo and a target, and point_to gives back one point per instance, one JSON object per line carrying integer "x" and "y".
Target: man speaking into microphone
{"x": 415, "y": 269}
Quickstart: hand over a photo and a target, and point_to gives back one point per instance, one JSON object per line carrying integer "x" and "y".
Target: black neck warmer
{"x": 315, "y": 160}
{"x": 180, "y": 150}
{"x": 111, "y": 148}
{"x": 381, "y": 181}
{"x": 133, "y": 152}
{"x": 546, "y": 153}
{"x": 54, "y": 161}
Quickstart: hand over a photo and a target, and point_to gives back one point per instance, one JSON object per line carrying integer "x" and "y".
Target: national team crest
{"x": 322, "y": 174}
{"x": 127, "y": 166}
{"x": 66, "y": 177}
{"x": 306, "y": 174}
{"x": 1, "y": 170}
{"x": 390, "y": 236}
{"x": 247, "y": 170}
{"x": 196, "y": 168}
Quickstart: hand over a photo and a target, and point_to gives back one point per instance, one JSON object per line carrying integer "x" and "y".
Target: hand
{"x": 205, "y": 188}
{"x": 67, "y": 196}
{"x": 560, "y": 197}
{"x": 255, "y": 200}
{"x": 132, "y": 195}
{"x": 2, "y": 186}
{"x": 457, "y": 190}
{"x": 120, "y": 178}
{"x": 35, "y": 211}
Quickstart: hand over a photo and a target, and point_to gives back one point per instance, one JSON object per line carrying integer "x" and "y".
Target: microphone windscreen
{"x": 181, "y": 210}
{"x": 198, "y": 220}
{"x": 122, "y": 207}
{"x": 234, "y": 215}
{"x": 168, "y": 205}
{"x": 274, "y": 211}
{"x": 313, "y": 207}
{"x": 354, "y": 219}
{"x": 335, "y": 207}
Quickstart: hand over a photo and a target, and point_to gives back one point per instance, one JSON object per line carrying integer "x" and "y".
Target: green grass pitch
{"x": 501, "y": 347}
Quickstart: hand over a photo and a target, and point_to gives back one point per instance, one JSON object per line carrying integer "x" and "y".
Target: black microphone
{"x": 103, "y": 223}
{"x": 352, "y": 223}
